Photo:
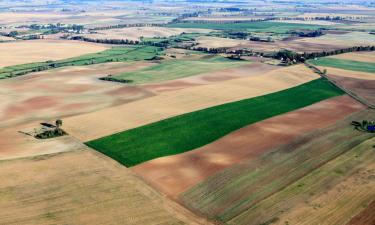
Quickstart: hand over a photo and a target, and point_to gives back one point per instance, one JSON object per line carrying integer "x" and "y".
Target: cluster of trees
{"x": 55, "y": 28}
{"x": 110, "y": 78}
{"x": 308, "y": 33}
{"x": 211, "y": 50}
{"x": 106, "y": 41}
{"x": 52, "y": 132}
{"x": 118, "y": 26}
{"x": 290, "y": 56}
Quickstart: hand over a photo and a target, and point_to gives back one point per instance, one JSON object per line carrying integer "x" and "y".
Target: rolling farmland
{"x": 115, "y": 54}
{"x": 240, "y": 187}
{"x": 180, "y": 134}
{"x": 187, "y": 112}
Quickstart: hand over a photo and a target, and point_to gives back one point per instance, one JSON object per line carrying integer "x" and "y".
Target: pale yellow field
{"x": 357, "y": 56}
{"x": 21, "y": 52}
{"x": 108, "y": 121}
{"x": 134, "y": 33}
{"x": 81, "y": 187}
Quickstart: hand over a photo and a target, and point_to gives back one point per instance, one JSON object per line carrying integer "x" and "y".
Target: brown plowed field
{"x": 81, "y": 187}
{"x": 165, "y": 105}
{"x": 175, "y": 174}
{"x": 366, "y": 217}
{"x": 360, "y": 87}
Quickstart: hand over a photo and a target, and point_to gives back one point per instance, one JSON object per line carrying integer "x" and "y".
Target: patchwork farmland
{"x": 183, "y": 112}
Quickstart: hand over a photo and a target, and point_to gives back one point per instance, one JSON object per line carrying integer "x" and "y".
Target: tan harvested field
{"x": 134, "y": 33}
{"x": 365, "y": 217}
{"x": 21, "y": 52}
{"x": 346, "y": 39}
{"x": 5, "y": 38}
{"x": 357, "y": 56}
{"x": 298, "y": 44}
{"x": 360, "y": 87}
{"x": 81, "y": 187}
{"x": 169, "y": 104}
{"x": 348, "y": 73}
{"x": 15, "y": 143}
{"x": 176, "y": 174}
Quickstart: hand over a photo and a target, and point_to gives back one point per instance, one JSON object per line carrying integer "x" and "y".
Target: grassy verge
{"x": 115, "y": 54}
{"x": 172, "y": 69}
{"x": 192, "y": 130}
{"x": 345, "y": 64}
{"x": 273, "y": 27}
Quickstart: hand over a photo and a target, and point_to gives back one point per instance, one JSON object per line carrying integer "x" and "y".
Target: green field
{"x": 115, "y": 54}
{"x": 172, "y": 69}
{"x": 272, "y": 27}
{"x": 240, "y": 188}
{"x": 192, "y": 130}
{"x": 345, "y": 64}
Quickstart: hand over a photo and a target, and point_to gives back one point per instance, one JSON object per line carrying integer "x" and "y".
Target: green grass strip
{"x": 192, "y": 130}
{"x": 345, "y": 64}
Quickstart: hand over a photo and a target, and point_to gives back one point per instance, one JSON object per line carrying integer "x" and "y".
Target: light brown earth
{"x": 169, "y": 104}
{"x": 81, "y": 187}
{"x": 357, "y": 56}
{"x": 65, "y": 91}
{"x": 348, "y": 73}
{"x": 346, "y": 39}
{"x": 21, "y": 52}
{"x": 5, "y": 38}
{"x": 176, "y": 174}
{"x": 360, "y": 87}
{"x": 134, "y": 33}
